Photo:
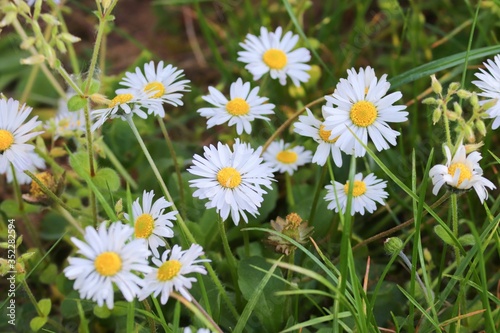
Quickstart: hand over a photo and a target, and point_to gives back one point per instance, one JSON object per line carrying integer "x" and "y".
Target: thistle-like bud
{"x": 393, "y": 246}
{"x": 436, "y": 85}
{"x": 293, "y": 227}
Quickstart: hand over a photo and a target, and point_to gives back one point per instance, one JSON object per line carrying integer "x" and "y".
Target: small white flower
{"x": 461, "y": 172}
{"x": 366, "y": 191}
{"x": 311, "y": 127}
{"x": 359, "y": 104}
{"x": 120, "y": 106}
{"x": 231, "y": 180}
{"x": 31, "y": 2}
{"x": 36, "y": 163}
{"x": 489, "y": 83}
{"x": 14, "y": 134}
{"x": 110, "y": 259}
{"x": 243, "y": 107}
{"x": 171, "y": 273}
{"x": 66, "y": 122}
{"x": 150, "y": 221}
{"x": 271, "y": 53}
{"x": 200, "y": 330}
{"x": 159, "y": 84}
{"x": 285, "y": 158}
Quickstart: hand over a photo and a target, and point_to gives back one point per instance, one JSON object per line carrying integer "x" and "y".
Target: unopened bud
{"x": 489, "y": 104}
{"x": 481, "y": 127}
{"x": 105, "y": 4}
{"x": 464, "y": 94}
{"x": 67, "y": 37}
{"x": 27, "y": 43}
{"x": 393, "y": 245}
{"x": 99, "y": 99}
{"x": 458, "y": 109}
{"x": 430, "y": 101}
{"x": 436, "y": 85}
{"x": 8, "y": 19}
{"x": 50, "y": 19}
{"x": 453, "y": 87}
{"x": 427, "y": 255}
{"x": 452, "y": 116}
{"x": 474, "y": 101}
{"x": 436, "y": 115}
{"x": 469, "y": 148}
{"x": 119, "y": 206}
{"x": 469, "y": 134}
{"x": 33, "y": 60}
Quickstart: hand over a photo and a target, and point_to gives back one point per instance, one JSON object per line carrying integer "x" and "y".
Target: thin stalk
{"x": 289, "y": 192}
{"x": 71, "y": 50}
{"x": 119, "y": 167}
{"x": 29, "y": 84}
{"x": 454, "y": 219}
{"x": 151, "y": 322}
{"x": 173, "y": 155}
{"x": 229, "y": 254}
{"x": 197, "y": 310}
{"x": 319, "y": 187}
{"x": 69, "y": 218}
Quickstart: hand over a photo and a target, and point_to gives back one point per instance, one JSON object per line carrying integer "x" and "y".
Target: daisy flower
{"x": 231, "y": 180}
{"x": 366, "y": 191}
{"x": 489, "y": 83}
{"x": 243, "y": 107}
{"x": 150, "y": 221}
{"x": 14, "y": 135}
{"x": 121, "y": 105}
{"x": 285, "y": 158}
{"x": 311, "y": 127}
{"x": 359, "y": 104}
{"x": 160, "y": 85}
{"x": 271, "y": 53}
{"x": 66, "y": 122}
{"x": 171, "y": 273}
{"x": 110, "y": 258}
{"x": 461, "y": 172}
{"x": 36, "y": 163}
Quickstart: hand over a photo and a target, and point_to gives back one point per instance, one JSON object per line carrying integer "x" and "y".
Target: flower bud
{"x": 474, "y": 100}
{"x": 436, "y": 85}
{"x": 469, "y": 134}
{"x": 464, "y": 94}
{"x": 453, "y": 87}
{"x": 452, "y": 116}
{"x": 436, "y": 115}
{"x": 430, "y": 101}
{"x": 393, "y": 245}
{"x": 33, "y": 60}
{"x": 481, "y": 127}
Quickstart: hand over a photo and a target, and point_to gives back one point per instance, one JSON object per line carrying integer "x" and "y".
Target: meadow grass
{"x": 438, "y": 272}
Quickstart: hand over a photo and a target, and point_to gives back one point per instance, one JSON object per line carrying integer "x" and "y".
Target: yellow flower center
{"x": 120, "y": 99}
{"x": 465, "y": 172}
{"x": 108, "y": 263}
{"x": 275, "y": 59}
{"x": 237, "y": 107}
{"x": 6, "y": 140}
{"x": 359, "y": 188}
{"x": 229, "y": 177}
{"x": 287, "y": 156}
{"x": 155, "y": 87}
{"x": 47, "y": 179}
{"x": 325, "y": 135}
{"x": 168, "y": 270}
{"x": 144, "y": 226}
{"x": 363, "y": 113}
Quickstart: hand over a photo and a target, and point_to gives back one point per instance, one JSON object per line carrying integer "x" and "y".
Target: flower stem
{"x": 454, "y": 219}
{"x": 229, "y": 254}
{"x": 289, "y": 192}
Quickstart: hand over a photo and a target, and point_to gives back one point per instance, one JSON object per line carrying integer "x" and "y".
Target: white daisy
{"x": 243, "y": 107}
{"x": 159, "y": 85}
{"x": 285, "y": 158}
{"x": 461, "y": 172}
{"x": 171, "y": 273}
{"x": 231, "y": 180}
{"x": 358, "y": 103}
{"x": 489, "y": 83}
{"x": 271, "y": 53}
{"x": 200, "y": 330}
{"x": 366, "y": 191}
{"x": 14, "y": 135}
{"x": 311, "y": 127}
{"x": 36, "y": 163}
{"x": 66, "y": 123}
{"x": 150, "y": 221}
{"x": 110, "y": 258}
{"x": 120, "y": 106}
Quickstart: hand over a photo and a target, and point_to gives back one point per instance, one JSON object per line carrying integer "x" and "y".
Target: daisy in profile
{"x": 151, "y": 222}
{"x": 359, "y": 104}
{"x": 285, "y": 158}
{"x": 461, "y": 172}
{"x": 271, "y": 52}
{"x": 243, "y": 107}
{"x": 314, "y": 128}
{"x": 14, "y": 133}
{"x": 231, "y": 180}
{"x": 489, "y": 83}
{"x": 120, "y": 106}
{"x": 36, "y": 163}
{"x": 171, "y": 273}
{"x": 160, "y": 84}
{"x": 366, "y": 192}
{"x": 110, "y": 259}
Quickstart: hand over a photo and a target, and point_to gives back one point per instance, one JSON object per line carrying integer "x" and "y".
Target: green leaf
{"x": 11, "y": 208}
{"x": 76, "y": 103}
{"x": 270, "y": 306}
{"x": 441, "y": 64}
{"x": 45, "y": 305}
{"x": 102, "y": 312}
{"x": 107, "y": 178}
{"x": 467, "y": 240}
{"x": 120, "y": 309}
{"x": 439, "y": 230}
{"x": 53, "y": 226}
{"x": 37, "y": 323}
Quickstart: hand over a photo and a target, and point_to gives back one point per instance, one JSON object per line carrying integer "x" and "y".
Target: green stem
{"x": 90, "y": 150}
{"x": 229, "y": 255}
{"x": 319, "y": 187}
{"x": 289, "y": 192}
{"x": 454, "y": 219}
{"x": 69, "y": 218}
{"x": 71, "y": 50}
{"x": 103, "y": 18}
{"x": 447, "y": 128}
{"x": 151, "y": 322}
{"x": 173, "y": 155}
{"x": 29, "y": 84}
